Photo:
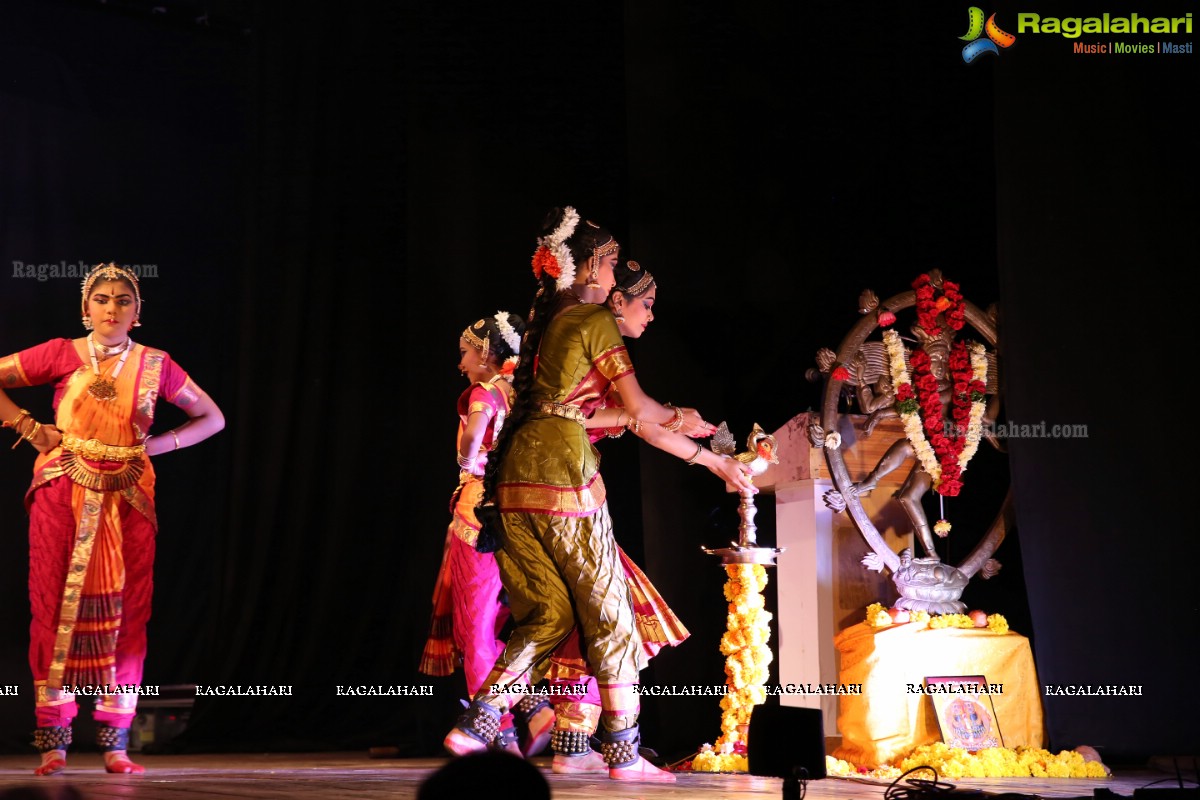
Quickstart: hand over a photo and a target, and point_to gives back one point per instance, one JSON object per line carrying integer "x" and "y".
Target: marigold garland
{"x": 878, "y": 617}
{"x": 990, "y": 762}
{"x": 747, "y": 658}
{"x": 1002, "y": 762}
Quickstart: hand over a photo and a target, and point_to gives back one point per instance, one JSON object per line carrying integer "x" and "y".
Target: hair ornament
{"x": 507, "y": 332}
{"x": 641, "y": 285}
{"x": 553, "y": 257}
{"x": 476, "y": 339}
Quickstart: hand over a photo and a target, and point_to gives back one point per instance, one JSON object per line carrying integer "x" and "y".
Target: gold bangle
{"x": 30, "y": 434}
{"x": 634, "y": 425}
{"x": 15, "y": 421}
{"x": 175, "y": 436}
{"x": 15, "y": 424}
{"x": 674, "y": 425}
{"x": 695, "y": 456}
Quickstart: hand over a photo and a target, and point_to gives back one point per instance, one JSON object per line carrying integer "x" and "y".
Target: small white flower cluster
{"x": 507, "y": 332}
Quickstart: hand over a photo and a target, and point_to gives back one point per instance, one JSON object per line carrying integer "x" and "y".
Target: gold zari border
{"x": 567, "y": 501}
{"x": 615, "y": 363}
{"x": 81, "y": 555}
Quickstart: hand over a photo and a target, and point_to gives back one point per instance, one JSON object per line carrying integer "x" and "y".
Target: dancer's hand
{"x": 695, "y": 426}
{"x": 47, "y": 438}
{"x": 735, "y": 473}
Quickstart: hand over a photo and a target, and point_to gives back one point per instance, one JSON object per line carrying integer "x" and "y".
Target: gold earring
{"x": 594, "y": 277}
{"x": 87, "y": 322}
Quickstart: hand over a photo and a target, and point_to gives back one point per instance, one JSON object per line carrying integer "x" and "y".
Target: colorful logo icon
{"x": 976, "y": 27}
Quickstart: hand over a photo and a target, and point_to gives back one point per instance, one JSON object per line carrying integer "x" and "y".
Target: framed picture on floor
{"x": 965, "y": 712}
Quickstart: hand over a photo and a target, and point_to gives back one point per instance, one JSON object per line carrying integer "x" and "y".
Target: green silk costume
{"x": 558, "y": 560}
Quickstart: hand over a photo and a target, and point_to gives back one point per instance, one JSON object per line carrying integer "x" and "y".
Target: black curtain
{"x": 332, "y": 195}
{"x": 1096, "y": 217}
{"x": 124, "y": 140}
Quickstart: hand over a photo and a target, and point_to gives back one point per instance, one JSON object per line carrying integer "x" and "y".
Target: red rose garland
{"x": 948, "y": 442}
{"x": 929, "y": 306}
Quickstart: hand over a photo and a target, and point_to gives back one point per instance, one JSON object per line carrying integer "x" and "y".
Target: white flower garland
{"x": 556, "y": 244}
{"x": 507, "y": 332}
{"x": 979, "y": 366}
{"x": 914, "y": 429}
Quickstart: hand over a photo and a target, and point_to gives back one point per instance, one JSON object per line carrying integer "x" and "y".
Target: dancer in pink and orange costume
{"x": 92, "y": 524}
{"x": 468, "y": 610}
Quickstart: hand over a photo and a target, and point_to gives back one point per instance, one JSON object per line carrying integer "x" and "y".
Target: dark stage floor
{"x": 322, "y": 776}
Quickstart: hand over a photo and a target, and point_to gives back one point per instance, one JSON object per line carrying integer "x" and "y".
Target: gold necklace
{"x": 107, "y": 350}
{"x": 103, "y": 388}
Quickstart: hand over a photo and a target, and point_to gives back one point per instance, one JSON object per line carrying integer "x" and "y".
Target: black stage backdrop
{"x": 329, "y": 197}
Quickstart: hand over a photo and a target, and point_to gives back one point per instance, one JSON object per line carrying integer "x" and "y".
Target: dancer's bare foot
{"x": 53, "y": 762}
{"x": 539, "y": 727}
{"x": 117, "y": 761}
{"x": 458, "y": 742}
{"x": 477, "y": 727}
{"x": 576, "y": 765}
{"x": 641, "y": 770}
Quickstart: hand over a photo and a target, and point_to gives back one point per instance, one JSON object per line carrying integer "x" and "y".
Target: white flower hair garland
{"x": 507, "y": 332}
{"x": 553, "y": 256}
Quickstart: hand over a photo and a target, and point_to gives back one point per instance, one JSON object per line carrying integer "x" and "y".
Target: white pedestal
{"x": 805, "y": 591}
{"x": 822, "y": 586}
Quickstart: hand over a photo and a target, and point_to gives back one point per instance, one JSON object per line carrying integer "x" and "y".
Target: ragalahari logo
{"x": 976, "y": 27}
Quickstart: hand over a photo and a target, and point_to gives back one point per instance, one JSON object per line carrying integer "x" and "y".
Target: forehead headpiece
{"x": 110, "y": 272}
{"x": 480, "y": 333}
{"x": 642, "y": 284}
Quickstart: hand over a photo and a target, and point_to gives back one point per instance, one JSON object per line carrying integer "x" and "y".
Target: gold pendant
{"x": 102, "y": 389}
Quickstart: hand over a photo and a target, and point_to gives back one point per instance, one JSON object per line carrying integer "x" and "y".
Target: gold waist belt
{"x": 96, "y": 450}
{"x": 561, "y": 410}
{"x": 78, "y": 452}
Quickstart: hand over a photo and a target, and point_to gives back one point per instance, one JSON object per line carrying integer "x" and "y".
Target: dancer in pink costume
{"x": 468, "y": 612}
{"x": 92, "y": 524}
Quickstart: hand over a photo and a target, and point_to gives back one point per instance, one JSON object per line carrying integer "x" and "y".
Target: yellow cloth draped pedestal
{"x": 889, "y": 719}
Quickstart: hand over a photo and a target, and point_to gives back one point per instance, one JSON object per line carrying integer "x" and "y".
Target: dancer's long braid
{"x": 487, "y": 512}
{"x": 582, "y": 243}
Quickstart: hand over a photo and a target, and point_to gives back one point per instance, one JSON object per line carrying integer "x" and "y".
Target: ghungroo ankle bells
{"x": 47, "y": 739}
{"x": 480, "y": 721}
{"x": 570, "y": 743}
{"x": 620, "y": 748}
{"x": 527, "y": 707}
{"x": 109, "y": 738}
